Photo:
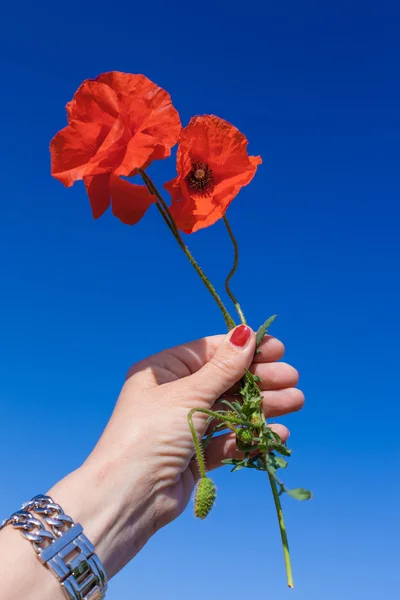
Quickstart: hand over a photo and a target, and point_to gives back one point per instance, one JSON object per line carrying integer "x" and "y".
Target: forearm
{"x": 22, "y": 574}
{"x": 92, "y": 502}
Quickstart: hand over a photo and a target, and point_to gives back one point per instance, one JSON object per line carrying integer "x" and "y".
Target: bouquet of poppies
{"x": 118, "y": 124}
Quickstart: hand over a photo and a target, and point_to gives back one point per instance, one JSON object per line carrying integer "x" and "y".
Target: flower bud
{"x": 244, "y": 439}
{"x": 204, "y": 498}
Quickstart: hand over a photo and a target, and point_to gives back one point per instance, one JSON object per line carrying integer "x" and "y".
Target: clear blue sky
{"x": 315, "y": 86}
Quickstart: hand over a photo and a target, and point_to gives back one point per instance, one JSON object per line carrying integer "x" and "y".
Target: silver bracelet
{"x": 63, "y": 548}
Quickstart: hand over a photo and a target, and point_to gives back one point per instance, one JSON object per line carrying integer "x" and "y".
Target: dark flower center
{"x": 200, "y": 177}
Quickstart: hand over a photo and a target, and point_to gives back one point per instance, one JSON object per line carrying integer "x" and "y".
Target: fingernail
{"x": 240, "y": 336}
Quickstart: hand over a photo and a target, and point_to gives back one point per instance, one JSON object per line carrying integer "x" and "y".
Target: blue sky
{"x": 315, "y": 87}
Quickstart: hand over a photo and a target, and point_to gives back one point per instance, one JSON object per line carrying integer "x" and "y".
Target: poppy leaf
{"x": 276, "y": 436}
{"x": 280, "y": 462}
{"x": 281, "y": 448}
{"x": 232, "y": 407}
{"x": 236, "y": 468}
{"x": 237, "y": 406}
{"x": 299, "y": 493}
{"x": 275, "y": 463}
{"x": 263, "y": 329}
{"x": 232, "y": 461}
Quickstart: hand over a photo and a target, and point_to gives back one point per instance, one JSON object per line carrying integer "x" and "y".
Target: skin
{"x": 140, "y": 476}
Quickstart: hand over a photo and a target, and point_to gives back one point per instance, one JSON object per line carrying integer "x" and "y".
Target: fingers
{"x": 277, "y": 403}
{"x": 224, "y": 446}
{"x": 276, "y": 376}
{"x": 270, "y": 350}
{"x": 225, "y": 367}
{"x": 186, "y": 359}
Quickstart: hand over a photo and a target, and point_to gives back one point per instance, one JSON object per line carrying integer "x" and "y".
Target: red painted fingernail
{"x": 241, "y": 336}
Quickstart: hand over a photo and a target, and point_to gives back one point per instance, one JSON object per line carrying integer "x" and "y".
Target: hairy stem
{"x": 168, "y": 218}
{"x": 199, "y": 453}
{"x": 226, "y": 418}
{"x": 233, "y": 271}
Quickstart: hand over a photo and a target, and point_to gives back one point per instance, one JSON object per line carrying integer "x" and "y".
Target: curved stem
{"x": 233, "y": 271}
{"x": 226, "y": 418}
{"x": 168, "y": 218}
{"x": 199, "y": 453}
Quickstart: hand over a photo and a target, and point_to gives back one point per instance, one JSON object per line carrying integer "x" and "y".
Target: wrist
{"x": 118, "y": 526}
{"x": 30, "y": 580}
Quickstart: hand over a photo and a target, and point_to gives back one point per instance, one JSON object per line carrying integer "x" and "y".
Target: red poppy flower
{"x": 213, "y": 165}
{"x": 118, "y": 123}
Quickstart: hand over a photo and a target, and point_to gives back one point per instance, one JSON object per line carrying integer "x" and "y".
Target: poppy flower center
{"x": 200, "y": 177}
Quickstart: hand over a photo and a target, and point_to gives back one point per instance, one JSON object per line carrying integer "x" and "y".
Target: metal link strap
{"x": 32, "y": 529}
{"x": 65, "y": 550}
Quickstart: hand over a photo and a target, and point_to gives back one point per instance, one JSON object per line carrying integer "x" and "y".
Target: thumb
{"x": 227, "y": 366}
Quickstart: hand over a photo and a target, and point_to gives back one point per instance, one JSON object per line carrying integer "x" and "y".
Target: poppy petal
{"x": 137, "y": 154}
{"x": 223, "y": 148}
{"x": 185, "y": 215}
{"x": 149, "y": 112}
{"x": 71, "y": 150}
{"x": 118, "y": 123}
{"x": 129, "y": 201}
{"x": 219, "y": 143}
{"x": 112, "y": 149}
{"x": 191, "y": 212}
{"x": 98, "y": 190}
{"x": 93, "y": 102}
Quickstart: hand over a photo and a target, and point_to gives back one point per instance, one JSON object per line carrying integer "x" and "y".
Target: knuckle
{"x": 222, "y": 366}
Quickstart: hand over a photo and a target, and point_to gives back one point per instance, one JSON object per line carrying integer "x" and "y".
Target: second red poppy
{"x": 213, "y": 165}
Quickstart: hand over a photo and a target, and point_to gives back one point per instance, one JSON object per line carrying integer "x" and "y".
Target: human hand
{"x": 140, "y": 475}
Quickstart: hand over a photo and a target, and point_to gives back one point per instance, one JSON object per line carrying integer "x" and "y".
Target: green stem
{"x": 162, "y": 206}
{"x": 168, "y": 218}
{"x": 199, "y": 453}
{"x": 233, "y": 271}
{"x": 282, "y": 528}
{"x": 216, "y": 415}
{"x": 279, "y": 511}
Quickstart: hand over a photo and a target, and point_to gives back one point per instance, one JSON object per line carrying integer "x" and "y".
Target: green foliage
{"x": 299, "y": 493}
{"x": 275, "y": 463}
{"x": 234, "y": 406}
{"x": 264, "y": 329}
{"x": 251, "y": 395}
{"x": 262, "y": 448}
{"x": 236, "y": 462}
{"x": 281, "y": 448}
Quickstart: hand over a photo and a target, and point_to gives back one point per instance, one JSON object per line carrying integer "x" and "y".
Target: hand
{"x": 140, "y": 476}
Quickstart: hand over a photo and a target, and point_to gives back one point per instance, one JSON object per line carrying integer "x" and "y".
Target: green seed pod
{"x": 244, "y": 439}
{"x": 204, "y": 498}
{"x": 257, "y": 420}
